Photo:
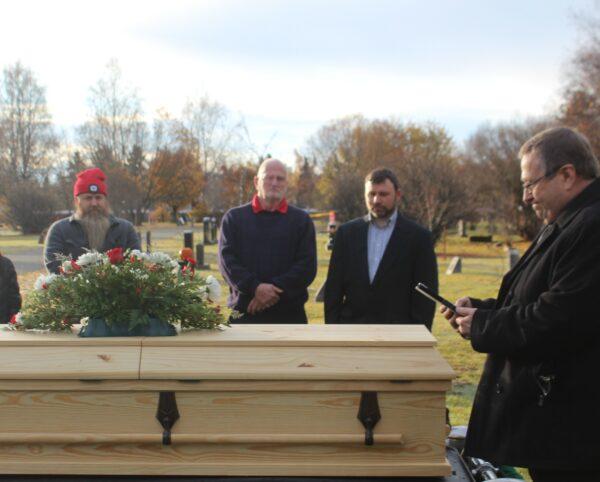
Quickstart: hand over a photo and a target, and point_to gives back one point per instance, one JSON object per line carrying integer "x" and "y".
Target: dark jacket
{"x": 538, "y": 401}
{"x": 408, "y": 259}
{"x": 67, "y": 237}
{"x": 10, "y": 298}
{"x": 268, "y": 247}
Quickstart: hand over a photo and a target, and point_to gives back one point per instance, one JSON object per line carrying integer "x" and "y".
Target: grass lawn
{"x": 11, "y": 241}
{"x": 483, "y": 266}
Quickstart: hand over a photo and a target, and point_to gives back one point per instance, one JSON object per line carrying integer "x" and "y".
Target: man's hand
{"x": 265, "y": 296}
{"x": 463, "y": 321}
{"x": 254, "y": 306}
{"x": 462, "y": 305}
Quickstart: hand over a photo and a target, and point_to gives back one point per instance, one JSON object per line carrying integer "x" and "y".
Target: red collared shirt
{"x": 257, "y": 207}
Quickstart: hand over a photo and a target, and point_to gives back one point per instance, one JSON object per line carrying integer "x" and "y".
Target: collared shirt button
{"x": 499, "y": 388}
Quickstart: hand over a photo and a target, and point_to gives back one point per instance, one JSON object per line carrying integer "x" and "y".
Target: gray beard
{"x": 95, "y": 226}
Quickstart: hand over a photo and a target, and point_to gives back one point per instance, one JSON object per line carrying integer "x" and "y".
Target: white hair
{"x": 268, "y": 162}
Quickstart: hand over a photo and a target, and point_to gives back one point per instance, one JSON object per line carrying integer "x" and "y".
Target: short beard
{"x": 387, "y": 214}
{"x": 95, "y": 225}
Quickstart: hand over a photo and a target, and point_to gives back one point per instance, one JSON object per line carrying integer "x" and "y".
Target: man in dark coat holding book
{"x": 537, "y": 404}
{"x": 268, "y": 253}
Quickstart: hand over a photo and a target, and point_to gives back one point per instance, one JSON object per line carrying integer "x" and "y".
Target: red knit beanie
{"x": 90, "y": 181}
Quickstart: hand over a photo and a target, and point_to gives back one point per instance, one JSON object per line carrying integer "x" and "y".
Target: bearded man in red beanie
{"x": 91, "y": 227}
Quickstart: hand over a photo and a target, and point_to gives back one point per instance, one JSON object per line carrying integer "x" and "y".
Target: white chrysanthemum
{"x": 213, "y": 288}
{"x": 137, "y": 254}
{"x": 92, "y": 257}
{"x": 160, "y": 258}
{"x": 43, "y": 281}
{"x": 66, "y": 266}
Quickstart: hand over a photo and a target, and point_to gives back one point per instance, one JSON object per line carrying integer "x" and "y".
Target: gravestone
{"x": 213, "y": 230}
{"x": 455, "y": 265}
{"x": 320, "y": 296}
{"x": 188, "y": 239}
{"x": 206, "y": 229}
{"x": 512, "y": 257}
{"x": 200, "y": 257}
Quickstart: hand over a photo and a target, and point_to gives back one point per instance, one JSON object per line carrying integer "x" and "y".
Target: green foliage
{"x": 121, "y": 290}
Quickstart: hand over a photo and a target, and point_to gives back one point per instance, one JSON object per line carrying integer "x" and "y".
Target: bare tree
{"x": 495, "y": 175}
{"x": 212, "y": 133}
{"x": 116, "y": 124}
{"x": 431, "y": 178}
{"x": 26, "y": 134}
{"x": 580, "y": 107}
{"x": 303, "y": 182}
{"x": 423, "y": 156}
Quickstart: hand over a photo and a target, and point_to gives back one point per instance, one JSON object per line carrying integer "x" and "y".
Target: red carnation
{"x": 115, "y": 255}
{"x": 190, "y": 261}
{"x": 75, "y": 266}
{"x": 13, "y": 319}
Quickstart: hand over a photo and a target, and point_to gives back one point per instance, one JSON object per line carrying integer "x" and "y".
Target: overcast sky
{"x": 289, "y": 66}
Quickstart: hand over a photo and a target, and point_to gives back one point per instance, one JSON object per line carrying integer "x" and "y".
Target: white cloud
{"x": 68, "y": 43}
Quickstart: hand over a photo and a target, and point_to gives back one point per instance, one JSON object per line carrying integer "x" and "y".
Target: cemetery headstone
{"x": 200, "y": 264}
{"x": 455, "y": 265}
{"x": 188, "y": 239}
{"x": 213, "y": 230}
{"x": 512, "y": 257}
{"x": 320, "y": 296}
{"x": 206, "y": 229}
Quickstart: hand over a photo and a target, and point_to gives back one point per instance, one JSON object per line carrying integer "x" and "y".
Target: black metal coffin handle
{"x": 368, "y": 414}
{"x": 167, "y": 414}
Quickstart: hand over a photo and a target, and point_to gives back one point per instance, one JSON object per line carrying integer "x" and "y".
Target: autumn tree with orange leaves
{"x": 176, "y": 178}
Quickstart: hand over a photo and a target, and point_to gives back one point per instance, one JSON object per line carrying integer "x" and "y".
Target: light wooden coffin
{"x": 296, "y": 400}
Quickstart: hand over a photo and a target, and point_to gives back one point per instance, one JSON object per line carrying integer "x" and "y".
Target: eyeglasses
{"x": 528, "y": 186}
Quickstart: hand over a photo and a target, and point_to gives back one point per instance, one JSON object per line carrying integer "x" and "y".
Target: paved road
{"x": 25, "y": 259}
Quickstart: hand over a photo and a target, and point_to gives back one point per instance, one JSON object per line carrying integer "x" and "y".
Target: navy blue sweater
{"x": 268, "y": 247}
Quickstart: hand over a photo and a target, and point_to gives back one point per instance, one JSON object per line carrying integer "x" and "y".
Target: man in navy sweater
{"x": 268, "y": 253}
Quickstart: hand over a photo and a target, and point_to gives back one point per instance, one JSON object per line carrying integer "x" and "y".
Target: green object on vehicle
{"x": 510, "y": 472}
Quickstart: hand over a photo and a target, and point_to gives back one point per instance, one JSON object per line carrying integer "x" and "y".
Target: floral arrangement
{"x": 124, "y": 289}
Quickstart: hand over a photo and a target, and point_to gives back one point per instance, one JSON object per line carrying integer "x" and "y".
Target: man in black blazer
{"x": 377, "y": 260}
{"x": 537, "y": 402}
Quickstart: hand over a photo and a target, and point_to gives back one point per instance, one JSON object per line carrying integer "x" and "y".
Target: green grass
{"x": 12, "y": 242}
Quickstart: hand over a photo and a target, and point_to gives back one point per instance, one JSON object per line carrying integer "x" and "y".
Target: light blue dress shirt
{"x": 377, "y": 241}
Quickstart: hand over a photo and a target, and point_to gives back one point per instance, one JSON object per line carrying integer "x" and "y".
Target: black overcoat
{"x": 10, "y": 297}
{"x": 538, "y": 401}
{"x": 409, "y": 258}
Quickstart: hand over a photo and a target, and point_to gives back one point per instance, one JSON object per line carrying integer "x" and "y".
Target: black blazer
{"x": 409, "y": 258}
